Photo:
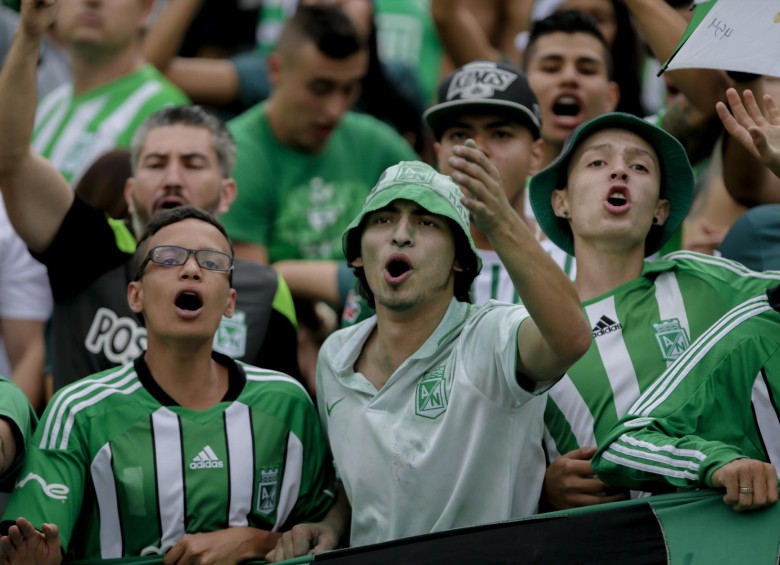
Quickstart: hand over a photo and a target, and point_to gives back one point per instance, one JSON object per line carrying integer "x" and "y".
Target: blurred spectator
{"x": 113, "y": 90}
{"x": 17, "y": 422}
{"x": 25, "y": 306}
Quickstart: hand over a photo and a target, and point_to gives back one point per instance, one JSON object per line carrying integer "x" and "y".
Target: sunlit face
{"x": 177, "y": 165}
{"x": 91, "y": 26}
{"x": 613, "y": 191}
{"x": 568, "y": 74}
{"x": 184, "y": 303}
{"x": 312, "y": 92}
{"x": 408, "y": 255}
{"x": 508, "y": 145}
{"x": 603, "y": 11}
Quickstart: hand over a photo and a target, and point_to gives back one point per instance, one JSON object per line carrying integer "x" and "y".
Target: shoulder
{"x": 268, "y": 382}
{"x": 705, "y": 266}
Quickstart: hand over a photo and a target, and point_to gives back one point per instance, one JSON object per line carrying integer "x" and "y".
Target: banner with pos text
{"x": 731, "y": 35}
{"x": 685, "y": 528}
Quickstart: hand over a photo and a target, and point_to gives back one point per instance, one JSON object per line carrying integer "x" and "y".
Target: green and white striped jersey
{"x": 72, "y": 131}
{"x": 718, "y": 402}
{"x": 639, "y": 329}
{"x": 125, "y": 471}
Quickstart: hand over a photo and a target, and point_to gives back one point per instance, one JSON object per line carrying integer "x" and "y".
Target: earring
{"x": 565, "y": 214}
{"x": 655, "y": 221}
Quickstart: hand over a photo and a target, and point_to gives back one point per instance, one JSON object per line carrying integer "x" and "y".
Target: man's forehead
{"x": 191, "y": 232}
{"x": 178, "y": 138}
{"x": 562, "y": 44}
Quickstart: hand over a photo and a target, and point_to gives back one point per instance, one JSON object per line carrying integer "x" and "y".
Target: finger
{"x": 773, "y": 112}
{"x": 736, "y": 130}
{"x": 737, "y": 107}
{"x": 174, "y": 554}
{"x": 6, "y": 547}
{"x": 753, "y": 110}
{"x": 15, "y": 536}
{"x": 581, "y": 453}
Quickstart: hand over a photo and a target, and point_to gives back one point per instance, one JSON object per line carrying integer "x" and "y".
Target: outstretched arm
{"x": 753, "y": 150}
{"x": 557, "y": 333}
{"x": 36, "y": 196}
{"x": 206, "y": 81}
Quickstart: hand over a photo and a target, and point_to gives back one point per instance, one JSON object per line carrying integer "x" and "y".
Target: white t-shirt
{"x": 24, "y": 285}
{"x": 451, "y": 440}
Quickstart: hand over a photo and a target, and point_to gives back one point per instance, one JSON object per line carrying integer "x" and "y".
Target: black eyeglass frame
{"x": 198, "y": 253}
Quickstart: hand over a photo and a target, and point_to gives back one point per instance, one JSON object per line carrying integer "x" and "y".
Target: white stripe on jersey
{"x": 728, "y": 264}
{"x": 61, "y": 410}
{"x": 615, "y": 357}
{"x": 766, "y": 418}
{"x": 241, "y": 462}
{"x": 291, "y": 483}
{"x": 575, "y": 410}
{"x": 60, "y": 155}
{"x": 670, "y": 301}
{"x": 105, "y": 489}
{"x": 672, "y": 377}
{"x": 168, "y": 460}
{"x": 261, "y": 375}
{"x": 57, "y": 99}
{"x": 649, "y": 467}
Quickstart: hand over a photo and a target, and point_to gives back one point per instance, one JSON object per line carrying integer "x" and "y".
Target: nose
{"x": 173, "y": 174}
{"x": 402, "y": 234}
{"x": 569, "y": 73}
{"x": 190, "y": 269}
{"x": 481, "y": 139}
{"x": 336, "y": 105}
{"x": 619, "y": 172}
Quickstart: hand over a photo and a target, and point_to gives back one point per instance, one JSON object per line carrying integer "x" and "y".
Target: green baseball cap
{"x": 419, "y": 183}
{"x": 676, "y": 179}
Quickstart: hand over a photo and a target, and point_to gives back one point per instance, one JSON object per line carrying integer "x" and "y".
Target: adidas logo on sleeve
{"x": 206, "y": 459}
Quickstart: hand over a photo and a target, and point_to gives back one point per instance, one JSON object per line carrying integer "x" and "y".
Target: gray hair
{"x": 189, "y": 115}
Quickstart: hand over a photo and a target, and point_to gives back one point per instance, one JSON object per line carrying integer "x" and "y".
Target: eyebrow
{"x": 630, "y": 150}
{"x": 165, "y": 155}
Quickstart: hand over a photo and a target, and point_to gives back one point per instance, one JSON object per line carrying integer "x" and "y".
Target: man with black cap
{"x": 429, "y": 406}
{"x": 617, "y": 192}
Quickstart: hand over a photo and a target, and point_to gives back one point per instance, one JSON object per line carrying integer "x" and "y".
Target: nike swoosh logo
{"x": 330, "y": 407}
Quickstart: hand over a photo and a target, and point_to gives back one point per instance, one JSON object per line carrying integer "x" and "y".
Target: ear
{"x": 146, "y": 11}
{"x": 537, "y": 154}
{"x": 560, "y": 202}
{"x": 457, "y": 268}
{"x": 661, "y": 211}
{"x": 228, "y": 191}
{"x": 135, "y": 296}
{"x": 230, "y": 307}
{"x": 129, "y": 192}
{"x": 274, "y": 62}
{"x": 357, "y": 262}
{"x": 613, "y": 96}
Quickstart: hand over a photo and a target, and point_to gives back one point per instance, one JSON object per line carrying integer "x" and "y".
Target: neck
{"x": 551, "y": 151}
{"x": 396, "y": 338}
{"x": 275, "y": 119}
{"x": 92, "y": 70}
{"x": 189, "y": 376}
{"x": 599, "y": 271}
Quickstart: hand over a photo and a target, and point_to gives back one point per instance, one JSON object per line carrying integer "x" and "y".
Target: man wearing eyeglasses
{"x": 184, "y": 452}
{"x": 180, "y": 155}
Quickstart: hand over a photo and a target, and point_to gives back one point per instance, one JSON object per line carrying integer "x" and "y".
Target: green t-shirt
{"x": 717, "y": 403}
{"x": 298, "y": 204}
{"x": 639, "y": 329}
{"x": 16, "y": 410}
{"x": 72, "y": 131}
{"x": 125, "y": 471}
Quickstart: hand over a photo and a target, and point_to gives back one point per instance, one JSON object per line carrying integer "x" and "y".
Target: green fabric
{"x": 16, "y": 410}
{"x": 283, "y": 301}
{"x": 125, "y": 240}
{"x": 298, "y": 204}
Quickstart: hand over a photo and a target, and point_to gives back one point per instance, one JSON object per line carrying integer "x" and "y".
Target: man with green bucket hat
{"x": 430, "y": 405}
{"x": 617, "y": 192}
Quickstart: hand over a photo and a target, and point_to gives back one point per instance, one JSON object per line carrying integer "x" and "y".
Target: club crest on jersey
{"x": 431, "y": 395}
{"x": 672, "y": 338}
{"x": 267, "y": 490}
{"x": 230, "y": 338}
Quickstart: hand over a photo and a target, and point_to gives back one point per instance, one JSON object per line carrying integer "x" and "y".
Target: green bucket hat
{"x": 419, "y": 183}
{"x": 676, "y": 179}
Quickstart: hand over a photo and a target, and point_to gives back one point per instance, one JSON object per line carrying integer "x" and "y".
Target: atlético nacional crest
{"x": 267, "y": 490}
{"x": 672, "y": 338}
{"x": 431, "y": 396}
{"x": 230, "y": 338}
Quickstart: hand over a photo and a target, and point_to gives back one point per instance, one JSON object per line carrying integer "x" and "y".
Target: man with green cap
{"x": 430, "y": 405}
{"x": 617, "y": 192}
